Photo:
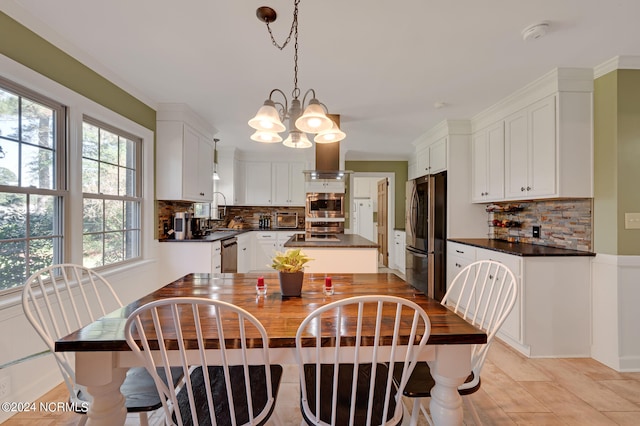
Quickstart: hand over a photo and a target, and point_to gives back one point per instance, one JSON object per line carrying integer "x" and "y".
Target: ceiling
{"x": 382, "y": 69}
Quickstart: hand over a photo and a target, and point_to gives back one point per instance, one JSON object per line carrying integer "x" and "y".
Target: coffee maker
{"x": 182, "y": 225}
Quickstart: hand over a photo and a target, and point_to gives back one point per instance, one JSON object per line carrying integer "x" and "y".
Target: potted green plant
{"x": 290, "y": 267}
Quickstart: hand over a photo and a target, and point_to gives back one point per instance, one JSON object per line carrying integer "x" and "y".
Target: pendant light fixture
{"x": 268, "y": 121}
{"x": 215, "y": 159}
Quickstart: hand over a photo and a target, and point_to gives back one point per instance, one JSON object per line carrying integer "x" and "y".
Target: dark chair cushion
{"x": 139, "y": 390}
{"x": 222, "y": 413}
{"x": 421, "y": 382}
{"x": 343, "y": 404}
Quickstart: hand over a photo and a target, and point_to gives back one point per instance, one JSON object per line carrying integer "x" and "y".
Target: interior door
{"x": 383, "y": 232}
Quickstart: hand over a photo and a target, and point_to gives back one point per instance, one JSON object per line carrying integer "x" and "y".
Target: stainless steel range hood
{"x": 327, "y": 161}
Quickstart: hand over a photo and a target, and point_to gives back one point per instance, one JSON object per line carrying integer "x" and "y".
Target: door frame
{"x": 391, "y": 201}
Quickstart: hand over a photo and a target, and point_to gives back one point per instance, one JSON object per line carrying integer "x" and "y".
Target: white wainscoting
{"x": 616, "y": 296}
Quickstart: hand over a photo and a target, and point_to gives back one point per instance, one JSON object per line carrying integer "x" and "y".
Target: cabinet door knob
{"x": 459, "y": 251}
{"x": 522, "y": 189}
{"x": 528, "y": 188}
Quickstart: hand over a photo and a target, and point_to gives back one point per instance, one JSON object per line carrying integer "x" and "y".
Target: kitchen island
{"x": 344, "y": 253}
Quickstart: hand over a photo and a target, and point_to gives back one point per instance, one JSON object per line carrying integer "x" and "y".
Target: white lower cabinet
{"x": 552, "y": 313}
{"x": 511, "y": 329}
{"x": 264, "y": 247}
{"x": 216, "y": 257}
{"x": 178, "y": 259}
{"x": 244, "y": 252}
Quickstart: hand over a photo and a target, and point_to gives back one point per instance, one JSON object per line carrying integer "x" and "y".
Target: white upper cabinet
{"x": 287, "y": 184}
{"x": 530, "y": 151}
{"x": 264, "y": 183}
{"x": 429, "y": 159}
{"x": 325, "y": 185}
{"x": 438, "y": 156}
{"x": 184, "y": 163}
{"x": 184, "y": 155}
{"x": 487, "y": 152}
{"x": 257, "y": 183}
{"x": 548, "y": 141}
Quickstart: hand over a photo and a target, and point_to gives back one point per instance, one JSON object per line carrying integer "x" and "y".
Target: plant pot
{"x": 291, "y": 283}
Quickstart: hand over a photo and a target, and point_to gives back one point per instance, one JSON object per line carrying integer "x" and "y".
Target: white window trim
{"x": 78, "y": 106}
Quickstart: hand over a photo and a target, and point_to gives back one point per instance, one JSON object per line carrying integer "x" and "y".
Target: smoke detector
{"x": 535, "y": 31}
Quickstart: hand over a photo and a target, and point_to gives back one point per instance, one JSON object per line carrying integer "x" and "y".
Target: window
{"x": 32, "y": 185}
{"x": 111, "y": 186}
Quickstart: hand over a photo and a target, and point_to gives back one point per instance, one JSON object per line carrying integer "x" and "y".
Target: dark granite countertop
{"x": 224, "y": 233}
{"x": 344, "y": 241}
{"x": 519, "y": 249}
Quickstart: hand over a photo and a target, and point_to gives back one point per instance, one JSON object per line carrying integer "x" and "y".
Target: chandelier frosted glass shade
{"x": 334, "y": 134}
{"x": 314, "y": 119}
{"x": 267, "y": 119}
{"x": 297, "y": 140}
{"x": 266, "y": 137}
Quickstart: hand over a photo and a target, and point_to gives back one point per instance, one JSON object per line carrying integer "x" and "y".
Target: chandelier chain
{"x": 294, "y": 26}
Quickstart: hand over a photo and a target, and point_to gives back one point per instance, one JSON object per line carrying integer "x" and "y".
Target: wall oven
{"x": 323, "y": 226}
{"x": 324, "y": 205}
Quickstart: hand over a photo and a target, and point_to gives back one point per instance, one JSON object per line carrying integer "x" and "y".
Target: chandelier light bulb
{"x": 267, "y": 118}
{"x": 334, "y": 134}
{"x": 314, "y": 119}
{"x": 266, "y": 137}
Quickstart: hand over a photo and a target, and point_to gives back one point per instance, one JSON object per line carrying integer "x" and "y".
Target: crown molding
{"x": 441, "y": 130}
{"x": 556, "y": 80}
{"x": 617, "y": 63}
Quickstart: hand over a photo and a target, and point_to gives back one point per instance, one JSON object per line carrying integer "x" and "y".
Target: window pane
{"x": 92, "y": 215}
{"x": 113, "y": 215}
{"x": 113, "y": 247}
{"x": 132, "y": 215}
{"x": 37, "y": 167}
{"x": 127, "y": 153}
{"x": 40, "y": 254}
{"x": 108, "y": 147}
{"x": 13, "y": 269}
{"x": 41, "y": 215}
{"x": 92, "y": 250}
{"x": 37, "y": 124}
{"x": 127, "y": 182}
{"x": 8, "y": 115}
{"x": 10, "y": 163}
{"x": 108, "y": 179}
{"x": 132, "y": 244}
{"x": 90, "y": 176}
{"x": 13, "y": 216}
{"x": 90, "y": 147}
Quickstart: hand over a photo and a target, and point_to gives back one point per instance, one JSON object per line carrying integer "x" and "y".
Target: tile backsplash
{"x": 565, "y": 223}
{"x": 250, "y": 214}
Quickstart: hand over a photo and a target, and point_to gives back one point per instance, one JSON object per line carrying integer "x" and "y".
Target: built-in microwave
{"x": 324, "y": 205}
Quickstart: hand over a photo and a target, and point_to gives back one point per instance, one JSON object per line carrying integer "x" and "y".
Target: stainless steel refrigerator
{"x": 426, "y": 231}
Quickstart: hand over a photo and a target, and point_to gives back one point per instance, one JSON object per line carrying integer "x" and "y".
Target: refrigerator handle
{"x": 431, "y": 221}
{"x": 414, "y": 212}
{"x": 417, "y": 253}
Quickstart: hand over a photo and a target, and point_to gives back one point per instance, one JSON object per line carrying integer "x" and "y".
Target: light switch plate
{"x": 632, "y": 221}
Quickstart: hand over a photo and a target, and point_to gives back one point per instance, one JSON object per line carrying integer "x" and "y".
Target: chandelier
{"x": 268, "y": 121}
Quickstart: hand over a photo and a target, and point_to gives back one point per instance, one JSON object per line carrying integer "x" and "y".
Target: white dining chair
{"x": 343, "y": 359}
{"x": 63, "y": 298}
{"x": 482, "y": 293}
{"x": 227, "y": 380}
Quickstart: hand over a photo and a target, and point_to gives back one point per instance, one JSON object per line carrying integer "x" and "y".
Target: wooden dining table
{"x": 103, "y": 356}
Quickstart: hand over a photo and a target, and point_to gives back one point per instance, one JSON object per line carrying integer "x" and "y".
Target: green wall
{"x": 24, "y": 46}
{"x": 400, "y": 168}
{"x": 616, "y": 161}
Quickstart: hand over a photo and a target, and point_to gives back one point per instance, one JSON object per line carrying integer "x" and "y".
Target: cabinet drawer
{"x": 461, "y": 250}
{"x": 510, "y": 261}
{"x": 266, "y": 235}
